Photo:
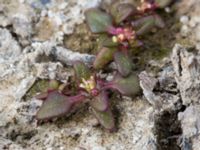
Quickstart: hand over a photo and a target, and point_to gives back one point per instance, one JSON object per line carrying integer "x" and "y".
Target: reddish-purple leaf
{"x": 55, "y": 105}
{"x": 100, "y": 102}
{"x": 105, "y": 118}
{"x": 124, "y": 63}
{"x": 145, "y": 24}
{"x": 128, "y": 86}
{"x": 97, "y": 20}
{"x": 121, "y": 11}
{"x": 104, "y": 57}
{"x": 42, "y": 96}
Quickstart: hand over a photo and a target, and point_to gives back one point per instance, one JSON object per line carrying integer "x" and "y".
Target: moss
{"x": 185, "y": 42}
{"x": 82, "y": 40}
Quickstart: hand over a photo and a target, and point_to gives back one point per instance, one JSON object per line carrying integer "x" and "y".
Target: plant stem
{"x": 78, "y": 98}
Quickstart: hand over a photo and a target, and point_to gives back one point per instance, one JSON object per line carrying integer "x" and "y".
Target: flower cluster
{"x": 121, "y": 35}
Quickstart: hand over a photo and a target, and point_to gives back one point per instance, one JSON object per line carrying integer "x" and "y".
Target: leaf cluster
{"x": 119, "y": 29}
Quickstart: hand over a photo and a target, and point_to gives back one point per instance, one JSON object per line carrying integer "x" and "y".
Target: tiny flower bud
{"x": 145, "y": 5}
{"x": 94, "y": 92}
{"x": 121, "y": 37}
{"x": 88, "y": 85}
{"x": 119, "y": 30}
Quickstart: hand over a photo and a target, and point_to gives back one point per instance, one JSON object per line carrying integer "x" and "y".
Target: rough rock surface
{"x": 186, "y": 65}
{"x": 179, "y": 93}
{"x": 36, "y": 29}
{"x": 165, "y": 118}
{"x": 190, "y": 20}
{"x": 187, "y": 74}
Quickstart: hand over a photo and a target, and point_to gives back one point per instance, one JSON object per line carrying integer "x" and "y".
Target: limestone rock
{"x": 187, "y": 69}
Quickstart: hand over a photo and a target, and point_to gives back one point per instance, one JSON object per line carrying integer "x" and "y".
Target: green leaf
{"x": 100, "y": 102}
{"x": 42, "y": 96}
{"x": 147, "y": 23}
{"x": 121, "y": 11}
{"x": 128, "y": 86}
{"x": 106, "y": 41}
{"x": 105, "y": 118}
{"x": 81, "y": 71}
{"x": 53, "y": 85}
{"x": 163, "y": 3}
{"x": 124, "y": 63}
{"x": 104, "y": 57}
{"x": 97, "y": 20}
{"x": 55, "y": 105}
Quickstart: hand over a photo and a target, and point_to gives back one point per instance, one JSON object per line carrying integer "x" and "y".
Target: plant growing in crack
{"x": 88, "y": 87}
{"x": 121, "y": 27}
{"x": 119, "y": 30}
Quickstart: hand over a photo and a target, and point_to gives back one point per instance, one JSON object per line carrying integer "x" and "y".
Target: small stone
{"x": 184, "y": 19}
{"x": 192, "y": 23}
{"x": 185, "y": 30}
{"x": 167, "y": 9}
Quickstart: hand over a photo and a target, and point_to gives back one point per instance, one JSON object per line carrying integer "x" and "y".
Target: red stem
{"x": 112, "y": 30}
{"x": 108, "y": 85}
{"x": 77, "y": 98}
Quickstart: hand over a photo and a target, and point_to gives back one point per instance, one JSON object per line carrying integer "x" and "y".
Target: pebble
{"x": 184, "y": 19}
{"x": 167, "y": 10}
{"x": 184, "y": 30}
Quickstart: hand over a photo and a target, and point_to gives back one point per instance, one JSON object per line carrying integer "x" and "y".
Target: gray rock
{"x": 142, "y": 125}
{"x": 187, "y": 69}
{"x": 9, "y": 47}
{"x": 22, "y": 65}
{"x": 190, "y": 123}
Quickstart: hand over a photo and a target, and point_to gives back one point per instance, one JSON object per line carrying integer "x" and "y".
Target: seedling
{"x": 119, "y": 30}
{"x": 61, "y": 100}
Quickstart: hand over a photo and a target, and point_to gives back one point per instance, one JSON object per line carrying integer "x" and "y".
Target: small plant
{"x": 119, "y": 30}
{"x": 87, "y": 87}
